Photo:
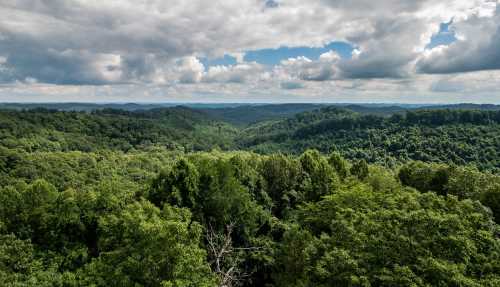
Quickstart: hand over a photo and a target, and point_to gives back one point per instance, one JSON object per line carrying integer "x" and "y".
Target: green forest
{"x": 280, "y": 196}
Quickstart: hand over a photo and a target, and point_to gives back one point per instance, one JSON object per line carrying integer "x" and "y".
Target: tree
{"x": 466, "y": 182}
{"x": 319, "y": 178}
{"x": 339, "y": 164}
{"x": 177, "y": 187}
{"x": 225, "y": 258}
{"x": 20, "y": 265}
{"x": 281, "y": 180}
{"x": 491, "y": 198}
{"x": 143, "y": 246}
{"x": 356, "y": 237}
{"x": 360, "y": 169}
{"x": 425, "y": 177}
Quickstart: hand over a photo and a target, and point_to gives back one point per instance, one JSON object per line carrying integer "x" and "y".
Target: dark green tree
{"x": 339, "y": 164}
{"x": 360, "y": 169}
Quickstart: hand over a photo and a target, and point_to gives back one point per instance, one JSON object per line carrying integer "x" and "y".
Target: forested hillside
{"x": 51, "y": 130}
{"x": 168, "y": 197}
{"x": 450, "y": 136}
{"x": 378, "y": 135}
{"x": 246, "y": 115}
{"x": 237, "y": 114}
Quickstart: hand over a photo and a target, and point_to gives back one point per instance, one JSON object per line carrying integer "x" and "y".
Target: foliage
{"x": 173, "y": 128}
{"x": 357, "y": 237}
{"x": 118, "y": 198}
{"x": 446, "y": 136}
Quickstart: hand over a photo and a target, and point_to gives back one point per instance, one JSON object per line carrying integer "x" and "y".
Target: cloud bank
{"x": 153, "y": 50}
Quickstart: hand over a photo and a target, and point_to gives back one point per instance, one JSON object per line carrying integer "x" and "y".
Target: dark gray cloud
{"x": 369, "y": 7}
{"x": 478, "y": 49}
{"x": 375, "y": 67}
{"x": 66, "y": 67}
{"x": 291, "y": 85}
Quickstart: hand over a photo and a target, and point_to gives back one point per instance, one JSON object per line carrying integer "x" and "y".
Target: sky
{"x": 265, "y": 51}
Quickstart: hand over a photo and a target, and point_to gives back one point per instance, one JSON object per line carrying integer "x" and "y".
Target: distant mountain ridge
{"x": 242, "y": 114}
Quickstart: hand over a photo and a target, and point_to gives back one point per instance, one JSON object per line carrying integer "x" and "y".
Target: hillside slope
{"x": 451, "y": 136}
{"x": 51, "y": 130}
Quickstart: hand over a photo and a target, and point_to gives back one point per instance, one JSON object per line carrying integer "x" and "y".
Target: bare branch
{"x": 223, "y": 256}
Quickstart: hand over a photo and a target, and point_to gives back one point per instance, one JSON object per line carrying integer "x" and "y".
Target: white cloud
{"x": 302, "y": 68}
{"x": 190, "y": 70}
{"x": 239, "y": 73}
{"x": 329, "y": 56}
{"x": 160, "y": 42}
{"x": 477, "y": 47}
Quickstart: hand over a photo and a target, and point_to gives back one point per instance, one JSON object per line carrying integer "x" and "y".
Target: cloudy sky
{"x": 410, "y": 51}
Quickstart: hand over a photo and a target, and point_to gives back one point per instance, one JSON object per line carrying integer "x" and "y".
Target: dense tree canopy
{"x": 376, "y": 135}
{"x": 157, "y": 215}
{"x": 311, "y": 220}
{"x": 448, "y": 136}
{"x": 51, "y": 130}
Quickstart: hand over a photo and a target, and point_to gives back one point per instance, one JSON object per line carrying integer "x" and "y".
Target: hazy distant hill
{"x": 99, "y": 106}
{"x": 248, "y": 114}
{"x": 485, "y": 107}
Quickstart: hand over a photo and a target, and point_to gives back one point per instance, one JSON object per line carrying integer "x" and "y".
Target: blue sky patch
{"x": 445, "y": 36}
{"x": 272, "y": 4}
{"x": 275, "y": 56}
